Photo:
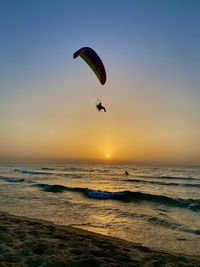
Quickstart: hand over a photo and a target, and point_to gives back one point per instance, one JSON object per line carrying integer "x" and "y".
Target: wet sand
{"x": 28, "y": 242}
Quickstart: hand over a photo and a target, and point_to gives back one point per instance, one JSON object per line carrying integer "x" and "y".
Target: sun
{"x": 107, "y": 156}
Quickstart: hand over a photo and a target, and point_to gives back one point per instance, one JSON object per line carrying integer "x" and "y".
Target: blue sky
{"x": 151, "y": 53}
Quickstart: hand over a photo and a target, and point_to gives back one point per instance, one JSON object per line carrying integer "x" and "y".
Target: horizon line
{"x": 96, "y": 161}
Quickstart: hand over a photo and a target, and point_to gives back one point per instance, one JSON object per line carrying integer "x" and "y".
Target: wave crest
{"x": 125, "y": 196}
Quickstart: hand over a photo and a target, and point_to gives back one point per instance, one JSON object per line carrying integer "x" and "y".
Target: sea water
{"x": 155, "y": 206}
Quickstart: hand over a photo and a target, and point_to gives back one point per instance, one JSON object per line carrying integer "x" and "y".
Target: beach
{"x": 31, "y": 242}
{"x": 155, "y": 206}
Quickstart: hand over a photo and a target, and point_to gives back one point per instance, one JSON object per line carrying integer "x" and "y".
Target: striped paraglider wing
{"x": 94, "y": 61}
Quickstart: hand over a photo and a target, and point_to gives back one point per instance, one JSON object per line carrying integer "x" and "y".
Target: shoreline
{"x": 31, "y": 242}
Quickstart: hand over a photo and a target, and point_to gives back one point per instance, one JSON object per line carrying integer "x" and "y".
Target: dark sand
{"x": 28, "y": 242}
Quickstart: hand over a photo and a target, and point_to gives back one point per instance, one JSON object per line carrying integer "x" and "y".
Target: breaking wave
{"x": 12, "y": 180}
{"x": 125, "y": 196}
{"x": 162, "y": 183}
{"x": 169, "y": 177}
{"x": 173, "y": 225}
{"x": 33, "y": 172}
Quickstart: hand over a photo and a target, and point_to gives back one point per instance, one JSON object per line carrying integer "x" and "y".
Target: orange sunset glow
{"x": 48, "y": 110}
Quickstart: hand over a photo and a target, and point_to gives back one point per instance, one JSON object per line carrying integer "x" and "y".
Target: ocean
{"x": 156, "y": 206}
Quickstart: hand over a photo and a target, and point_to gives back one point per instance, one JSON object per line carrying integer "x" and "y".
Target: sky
{"x": 150, "y": 50}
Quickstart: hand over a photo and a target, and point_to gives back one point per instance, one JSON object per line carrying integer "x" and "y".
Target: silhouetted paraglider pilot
{"x": 100, "y": 107}
{"x": 95, "y": 63}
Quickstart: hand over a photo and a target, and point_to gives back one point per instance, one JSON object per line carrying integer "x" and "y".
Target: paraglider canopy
{"x": 94, "y": 61}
